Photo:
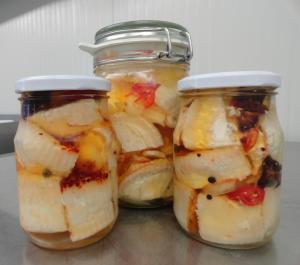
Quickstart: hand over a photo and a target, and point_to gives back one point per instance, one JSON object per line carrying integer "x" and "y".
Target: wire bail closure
{"x": 134, "y": 36}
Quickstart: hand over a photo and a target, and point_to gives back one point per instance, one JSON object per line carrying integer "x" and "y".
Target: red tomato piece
{"x": 249, "y": 195}
{"x": 144, "y": 92}
{"x": 250, "y": 138}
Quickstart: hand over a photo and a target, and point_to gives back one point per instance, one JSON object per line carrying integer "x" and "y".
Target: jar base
{"x": 150, "y": 204}
{"x": 61, "y": 241}
{"x": 231, "y": 246}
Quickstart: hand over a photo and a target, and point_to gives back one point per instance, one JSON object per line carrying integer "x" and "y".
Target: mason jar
{"x": 228, "y": 158}
{"x": 65, "y": 161}
{"x": 143, "y": 60}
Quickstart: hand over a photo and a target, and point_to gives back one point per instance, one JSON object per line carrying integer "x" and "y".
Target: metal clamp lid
{"x": 141, "y": 40}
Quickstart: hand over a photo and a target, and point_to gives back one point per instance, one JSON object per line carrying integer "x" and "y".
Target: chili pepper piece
{"x": 249, "y": 195}
{"x": 144, "y": 92}
{"x": 250, "y": 139}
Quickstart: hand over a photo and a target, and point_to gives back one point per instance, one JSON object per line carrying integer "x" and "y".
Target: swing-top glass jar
{"x": 228, "y": 158}
{"x": 66, "y": 168}
{"x": 143, "y": 60}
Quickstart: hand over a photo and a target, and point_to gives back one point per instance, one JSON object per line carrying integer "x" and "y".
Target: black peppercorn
{"x": 47, "y": 173}
{"x": 209, "y": 197}
{"x": 176, "y": 148}
{"x": 211, "y": 179}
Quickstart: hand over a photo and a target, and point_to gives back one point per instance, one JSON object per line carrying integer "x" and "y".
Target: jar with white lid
{"x": 143, "y": 60}
{"x": 65, "y": 161}
{"x": 228, "y": 158}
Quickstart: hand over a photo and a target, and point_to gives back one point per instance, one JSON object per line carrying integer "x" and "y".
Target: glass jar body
{"x": 227, "y": 157}
{"x": 143, "y": 108}
{"x": 66, "y": 168}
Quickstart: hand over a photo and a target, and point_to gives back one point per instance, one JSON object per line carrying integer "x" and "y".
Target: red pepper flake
{"x": 70, "y": 146}
{"x": 250, "y": 139}
{"x": 249, "y": 195}
{"x": 144, "y": 92}
{"x": 192, "y": 224}
{"x": 80, "y": 176}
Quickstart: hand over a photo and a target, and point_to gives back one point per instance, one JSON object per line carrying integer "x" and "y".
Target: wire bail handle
{"x": 169, "y": 51}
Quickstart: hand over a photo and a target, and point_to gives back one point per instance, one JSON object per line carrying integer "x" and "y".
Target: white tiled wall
{"x": 40, "y": 37}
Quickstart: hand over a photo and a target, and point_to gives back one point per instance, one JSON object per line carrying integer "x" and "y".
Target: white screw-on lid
{"x": 230, "y": 79}
{"x": 61, "y": 82}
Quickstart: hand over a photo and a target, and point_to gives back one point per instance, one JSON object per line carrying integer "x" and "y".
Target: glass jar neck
{"x": 140, "y": 66}
{"x": 233, "y": 91}
{"x": 32, "y": 102}
{"x": 63, "y": 94}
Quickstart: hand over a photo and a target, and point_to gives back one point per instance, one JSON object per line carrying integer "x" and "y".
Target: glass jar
{"x": 228, "y": 158}
{"x": 65, "y": 161}
{"x": 143, "y": 60}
